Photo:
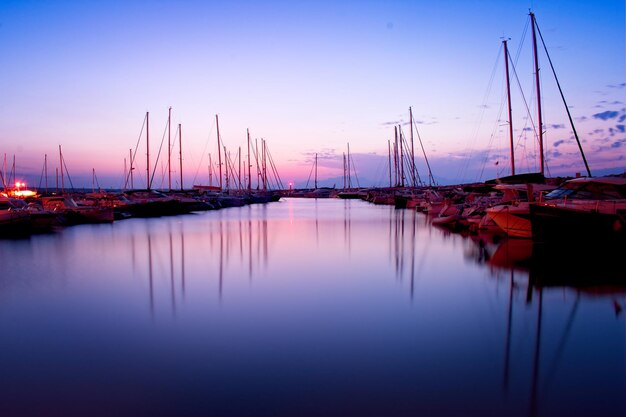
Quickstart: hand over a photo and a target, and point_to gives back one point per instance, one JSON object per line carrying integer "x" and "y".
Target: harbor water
{"x": 303, "y": 307}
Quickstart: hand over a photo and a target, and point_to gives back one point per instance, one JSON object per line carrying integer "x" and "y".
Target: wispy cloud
{"x": 393, "y": 123}
{"x": 606, "y": 115}
{"x": 618, "y": 144}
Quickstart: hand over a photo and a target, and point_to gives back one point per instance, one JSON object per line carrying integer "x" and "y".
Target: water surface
{"x": 301, "y": 308}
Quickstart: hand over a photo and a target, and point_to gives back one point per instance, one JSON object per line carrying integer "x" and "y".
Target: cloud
{"x": 606, "y": 115}
{"x": 622, "y": 118}
{"x": 621, "y": 85}
{"x": 618, "y": 144}
{"x": 394, "y": 123}
{"x": 558, "y": 126}
{"x": 425, "y": 123}
{"x": 620, "y": 128}
{"x": 558, "y": 142}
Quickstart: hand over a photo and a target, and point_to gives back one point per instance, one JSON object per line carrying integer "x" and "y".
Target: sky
{"x": 313, "y": 80}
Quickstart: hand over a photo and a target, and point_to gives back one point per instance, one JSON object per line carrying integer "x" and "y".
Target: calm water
{"x": 301, "y": 308}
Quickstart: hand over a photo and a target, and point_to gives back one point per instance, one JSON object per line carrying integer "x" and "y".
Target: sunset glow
{"x": 308, "y": 78}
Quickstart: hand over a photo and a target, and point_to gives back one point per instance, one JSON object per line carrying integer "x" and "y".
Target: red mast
{"x": 539, "y": 120}
{"x": 180, "y": 153}
{"x": 219, "y": 151}
{"x": 249, "y": 166}
{"x": 147, "y": 151}
{"x": 508, "y": 95}
{"x": 169, "y": 148}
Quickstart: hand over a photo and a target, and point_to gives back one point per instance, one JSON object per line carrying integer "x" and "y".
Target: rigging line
{"x": 465, "y": 166}
{"x": 520, "y": 46}
{"x": 490, "y": 143}
{"x": 520, "y": 138}
{"x": 279, "y": 183}
{"x": 67, "y": 172}
{"x": 40, "y": 178}
{"x": 431, "y": 177}
{"x": 563, "y": 98}
{"x": 230, "y": 167}
{"x": 132, "y": 161}
{"x": 96, "y": 178}
{"x": 410, "y": 159}
{"x": 204, "y": 151}
{"x": 310, "y": 173}
{"x": 255, "y": 152}
{"x": 354, "y": 169}
{"x": 158, "y": 156}
{"x": 544, "y": 134}
{"x": 528, "y": 113}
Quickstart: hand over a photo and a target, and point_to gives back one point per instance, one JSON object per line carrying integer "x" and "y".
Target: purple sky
{"x": 308, "y": 77}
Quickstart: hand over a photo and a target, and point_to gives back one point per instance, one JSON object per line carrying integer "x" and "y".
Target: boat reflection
{"x": 592, "y": 267}
{"x": 533, "y": 270}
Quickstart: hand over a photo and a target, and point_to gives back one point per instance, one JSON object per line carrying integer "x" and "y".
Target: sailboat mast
{"x": 569, "y": 115}
{"x": 210, "y": 171}
{"x": 345, "y": 176}
{"x": 349, "y": 178}
{"x": 401, "y": 136}
{"x": 249, "y": 165}
{"x": 219, "y": 150}
{"x": 130, "y": 152}
{"x": 147, "y": 151}
{"x": 258, "y": 167}
{"x": 180, "y": 154}
{"x": 316, "y": 170}
{"x": 169, "y": 148}
{"x": 227, "y": 178}
{"x": 239, "y": 173}
{"x": 395, "y": 156}
{"x": 389, "y": 150}
{"x": 61, "y": 164}
{"x": 413, "y": 177}
{"x": 539, "y": 120}
{"x": 508, "y": 95}
{"x": 45, "y": 168}
{"x": 264, "y": 163}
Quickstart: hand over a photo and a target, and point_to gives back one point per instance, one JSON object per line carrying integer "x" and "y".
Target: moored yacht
{"x": 587, "y": 210}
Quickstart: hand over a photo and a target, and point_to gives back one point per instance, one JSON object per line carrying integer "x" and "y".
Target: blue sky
{"x": 308, "y": 77}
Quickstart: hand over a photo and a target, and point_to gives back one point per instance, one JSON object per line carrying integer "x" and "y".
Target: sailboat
{"x": 512, "y": 214}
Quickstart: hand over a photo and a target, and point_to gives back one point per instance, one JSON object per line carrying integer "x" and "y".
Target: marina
{"x": 405, "y": 248}
{"x": 335, "y": 307}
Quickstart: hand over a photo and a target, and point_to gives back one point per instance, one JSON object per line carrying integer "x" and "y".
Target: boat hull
{"x": 575, "y": 226}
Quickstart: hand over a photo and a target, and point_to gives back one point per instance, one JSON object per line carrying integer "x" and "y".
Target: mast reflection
{"x": 594, "y": 272}
{"x": 403, "y": 249}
